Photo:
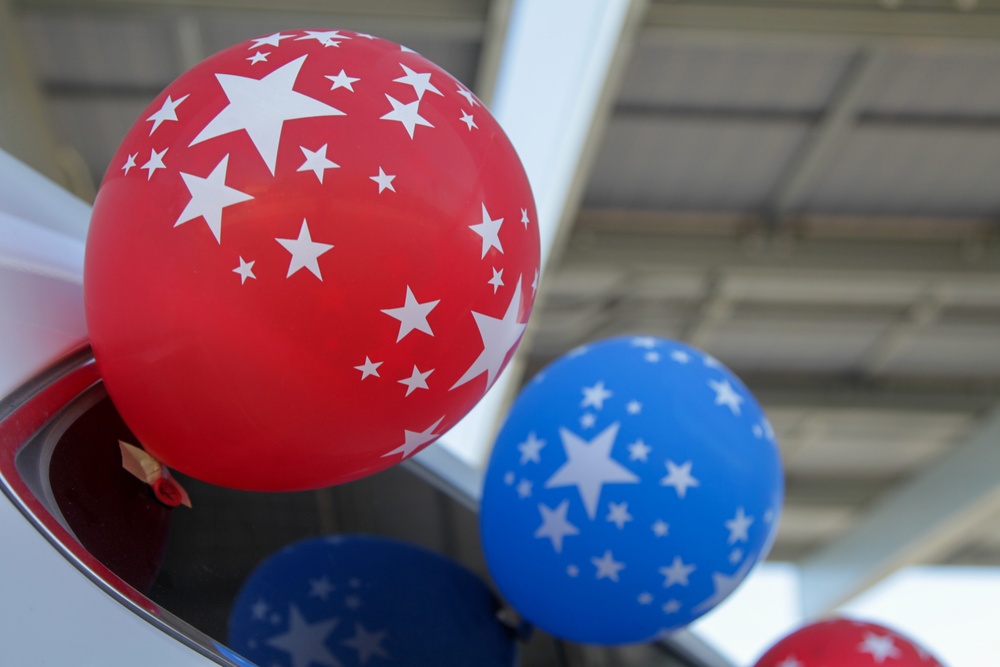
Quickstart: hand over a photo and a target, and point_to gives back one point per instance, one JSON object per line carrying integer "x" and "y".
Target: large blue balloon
{"x": 634, "y": 484}
{"x": 359, "y": 600}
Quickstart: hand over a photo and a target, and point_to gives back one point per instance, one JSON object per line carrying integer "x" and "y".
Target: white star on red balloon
{"x": 342, "y": 81}
{"x": 209, "y": 196}
{"x": 879, "y": 646}
{"x": 414, "y": 440}
{"x": 412, "y": 315}
{"x": 369, "y": 368}
{"x": 305, "y": 252}
{"x": 421, "y": 81}
{"x": 263, "y": 122}
{"x": 489, "y": 230}
{"x": 245, "y": 270}
{"x": 270, "y": 40}
{"x": 384, "y": 180}
{"x": 417, "y": 380}
{"x": 407, "y": 114}
{"x": 499, "y": 337}
{"x": 166, "y": 112}
{"x": 316, "y": 161}
{"x": 154, "y": 162}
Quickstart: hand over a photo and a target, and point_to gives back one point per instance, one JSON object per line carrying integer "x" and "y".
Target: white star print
{"x": 245, "y": 270}
{"x": 414, "y": 440}
{"x": 735, "y": 556}
{"x": 680, "y": 356}
{"x": 644, "y": 598}
{"x": 342, "y": 81}
{"x": 412, "y": 315}
{"x": 324, "y": 37}
{"x": 271, "y": 40}
{"x": 555, "y": 525}
{"x": 421, "y": 82}
{"x": 316, "y": 161}
{"x": 489, "y": 231}
{"x": 587, "y": 420}
{"x": 259, "y": 57}
{"x": 672, "y": 607}
{"x": 724, "y": 585}
{"x": 155, "y": 162}
{"x": 407, "y": 114}
{"x": 647, "y": 342}
{"x": 677, "y": 573}
{"x": 618, "y": 514}
{"x": 369, "y": 368}
{"x": 589, "y": 467}
{"x": 879, "y": 646}
{"x": 790, "y": 661}
{"x": 367, "y": 644}
{"x": 260, "y": 609}
{"x": 499, "y": 337}
{"x": 263, "y": 122}
{"x": 679, "y": 477}
{"x": 496, "y": 280}
{"x": 652, "y": 357}
{"x": 661, "y": 528}
{"x": 468, "y": 120}
{"x": 305, "y": 642}
{"x": 726, "y": 395}
{"x": 607, "y": 566}
{"x": 531, "y": 449}
{"x": 384, "y": 180}
{"x": 352, "y": 602}
{"x": 633, "y": 407}
{"x": 166, "y": 112}
{"x": 305, "y": 252}
{"x": 738, "y": 527}
{"x": 129, "y": 163}
{"x": 595, "y": 396}
{"x": 524, "y": 217}
{"x": 639, "y": 451}
{"x": 467, "y": 95}
{"x": 572, "y": 570}
{"x": 508, "y": 478}
{"x": 208, "y": 197}
{"x": 320, "y": 588}
{"x": 417, "y": 380}
{"x": 524, "y": 489}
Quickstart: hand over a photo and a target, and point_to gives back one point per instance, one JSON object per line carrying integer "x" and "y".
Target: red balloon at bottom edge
{"x": 843, "y": 642}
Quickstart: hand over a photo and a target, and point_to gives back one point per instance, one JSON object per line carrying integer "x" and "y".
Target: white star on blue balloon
{"x": 663, "y": 494}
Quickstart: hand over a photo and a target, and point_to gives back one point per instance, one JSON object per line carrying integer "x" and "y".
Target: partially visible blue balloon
{"x": 632, "y": 487}
{"x": 360, "y": 600}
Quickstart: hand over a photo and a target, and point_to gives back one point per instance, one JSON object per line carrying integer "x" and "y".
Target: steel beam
{"x": 920, "y": 522}
{"x": 826, "y": 138}
{"x": 570, "y": 54}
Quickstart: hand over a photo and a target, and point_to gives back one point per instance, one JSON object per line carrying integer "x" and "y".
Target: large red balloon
{"x": 842, "y": 642}
{"x": 309, "y": 258}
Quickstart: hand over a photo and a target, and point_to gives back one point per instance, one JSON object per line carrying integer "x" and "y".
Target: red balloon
{"x": 842, "y": 642}
{"x": 310, "y": 257}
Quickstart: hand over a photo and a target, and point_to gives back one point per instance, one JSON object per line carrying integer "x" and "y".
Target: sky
{"x": 952, "y": 612}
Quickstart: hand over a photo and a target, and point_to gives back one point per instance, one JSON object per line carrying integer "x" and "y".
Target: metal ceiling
{"x": 808, "y": 190}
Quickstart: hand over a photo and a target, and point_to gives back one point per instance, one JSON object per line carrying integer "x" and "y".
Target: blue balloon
{"x": 361, "y": 600}
{"x": 632, "y": 487}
